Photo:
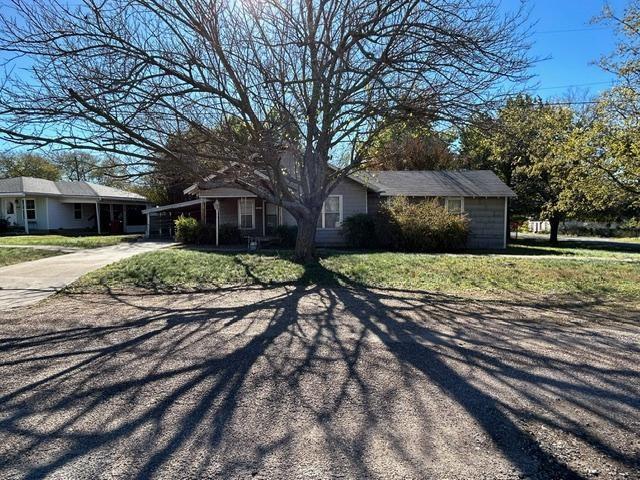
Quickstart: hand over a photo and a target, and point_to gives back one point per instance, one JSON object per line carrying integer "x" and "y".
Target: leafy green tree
{"x": 624, "y": 61}
{"x": 607, "y": 145}
{"x": 27, "y": 165}
{"x": 612, "y": 141}
{"x": 524, "y": 145}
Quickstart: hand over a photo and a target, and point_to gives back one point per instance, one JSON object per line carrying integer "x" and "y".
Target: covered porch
{"x": 26, "y": 212}
{"x": 34, "y": 213}
{"x": 251, "y": 215}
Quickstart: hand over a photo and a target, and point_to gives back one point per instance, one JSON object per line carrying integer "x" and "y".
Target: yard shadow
{"x": 321, "y": 378}
{"x": 565, "y": 246}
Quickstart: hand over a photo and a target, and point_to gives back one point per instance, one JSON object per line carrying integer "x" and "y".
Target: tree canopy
{"x": 525, "y": 144}
{"x": 313, "y": 78}
{"x": 411, "y": 145}
{"x": 27, "y": 165}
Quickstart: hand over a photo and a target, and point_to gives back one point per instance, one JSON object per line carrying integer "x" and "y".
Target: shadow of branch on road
{"x": 310, "y": 380}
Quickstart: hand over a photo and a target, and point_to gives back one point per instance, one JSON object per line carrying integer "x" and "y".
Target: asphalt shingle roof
{"x": 445, "y": 183}
{"x": 40, "y": 186}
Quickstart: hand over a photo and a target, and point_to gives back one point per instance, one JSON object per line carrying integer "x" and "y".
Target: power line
{"x": 582, "y": 102}
{"x": 570, "y": 30}
{"x": 610, "y": 82}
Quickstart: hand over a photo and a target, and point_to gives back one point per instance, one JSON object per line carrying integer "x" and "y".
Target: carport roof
{"x": 41, "y": 186}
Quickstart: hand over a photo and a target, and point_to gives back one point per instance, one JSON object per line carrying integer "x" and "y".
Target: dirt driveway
{"x": 317, "y": 383}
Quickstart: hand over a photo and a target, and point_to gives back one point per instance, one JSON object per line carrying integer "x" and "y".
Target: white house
{"x": 40, "y": 205}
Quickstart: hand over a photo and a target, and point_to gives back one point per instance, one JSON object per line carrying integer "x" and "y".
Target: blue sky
{"x": 564, "y": 34}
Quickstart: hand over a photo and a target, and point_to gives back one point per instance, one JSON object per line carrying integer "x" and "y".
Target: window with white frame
{"x": 331, "y": 215}
{"x": 77, "y": 211}
{"x": 454, "y": 204}
{"x": 30, "y": 209}
{"x": 246, "y": 213}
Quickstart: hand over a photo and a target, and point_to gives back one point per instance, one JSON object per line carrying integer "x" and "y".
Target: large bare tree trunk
{"x": 305, "y": 250}
{"x": 554, "y": 222}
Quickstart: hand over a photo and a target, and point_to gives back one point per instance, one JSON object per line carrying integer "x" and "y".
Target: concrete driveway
{"x": 29, "y": 282}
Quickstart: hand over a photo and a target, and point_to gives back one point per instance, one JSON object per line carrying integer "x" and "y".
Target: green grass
{"x": 474, "y": 275}
{"x": 575, "y": 249}
{"x": 10, "y": 256}
{"x": 79, "y": 241}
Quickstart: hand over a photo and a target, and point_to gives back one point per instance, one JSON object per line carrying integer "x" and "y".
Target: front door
{"x": 117, "y": 222}
{"x": 10, "y": 211}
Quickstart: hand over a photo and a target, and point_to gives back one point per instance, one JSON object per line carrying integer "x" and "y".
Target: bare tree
{"x": 255, "y": 78}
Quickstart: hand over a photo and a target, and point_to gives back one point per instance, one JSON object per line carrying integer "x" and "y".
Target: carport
{"x": 160, "y": 220}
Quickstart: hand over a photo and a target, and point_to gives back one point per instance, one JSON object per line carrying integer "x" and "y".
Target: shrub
{"x": 287, "y": 235}
{"x": 423, "y": 226}
{"x": 188, "y": 230}
{"x": 360, "y": 231}
{"x": 4, "y": 225}
{"x": 228, "y": 234}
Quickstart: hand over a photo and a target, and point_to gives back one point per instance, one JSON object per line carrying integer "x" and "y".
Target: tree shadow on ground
{"x": 525, "y": 245}
{"x": 321, "y": 378}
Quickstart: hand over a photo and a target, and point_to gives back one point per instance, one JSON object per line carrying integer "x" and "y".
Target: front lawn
{"x": 10, "y": 256}
{"x": 79, "y": 241}
{"x": 474, "y": 275}
{"x": 575, "y": 248}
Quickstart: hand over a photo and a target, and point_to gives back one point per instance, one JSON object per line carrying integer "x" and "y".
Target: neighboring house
{"x": 479, "y": 194}
{"x": 40, "y": 205}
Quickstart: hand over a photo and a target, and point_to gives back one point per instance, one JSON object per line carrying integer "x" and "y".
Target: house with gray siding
{"x": 478, "y": 194}
{"x": 40, "y": 205}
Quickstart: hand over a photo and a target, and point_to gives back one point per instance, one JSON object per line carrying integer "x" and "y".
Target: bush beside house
{"x": 227, "y": 235}
{"x": 287, "y": 235}
{"x": 188, "y": 229}
{"x": 409, "y": 226}
{"x": 360, "y": 231}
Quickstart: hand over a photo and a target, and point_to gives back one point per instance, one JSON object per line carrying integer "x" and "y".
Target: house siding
{"x": 486, "y": 217}
{"x": 229, "y": 213}
{"x": 61, "y": 216}
{"x": 354, "y": 201}
{"x": 41, "y": 213}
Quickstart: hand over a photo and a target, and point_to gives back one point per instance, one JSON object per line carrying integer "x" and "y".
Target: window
{"x": 246, "y": 213}
{"x": 271, "y": 216}
{"x": 10, "y": 208}
{"x": 135, "y": 217}
{"x": 77, "y": 211}
{"x": 331, "y": 215}
{"x": 454, "y": 204}
{"x": 31, "y": 209}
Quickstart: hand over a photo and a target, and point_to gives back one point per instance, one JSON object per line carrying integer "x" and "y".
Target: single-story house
{"x": 40, "y": 205}
{"x": 479, "y": 194}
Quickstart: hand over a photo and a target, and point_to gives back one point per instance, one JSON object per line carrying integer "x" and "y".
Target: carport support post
{"x": 203, "y": 210}
{"x": 98, "y": 218}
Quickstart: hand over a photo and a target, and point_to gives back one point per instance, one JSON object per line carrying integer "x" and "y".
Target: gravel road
{"x": 318, "y": 383}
